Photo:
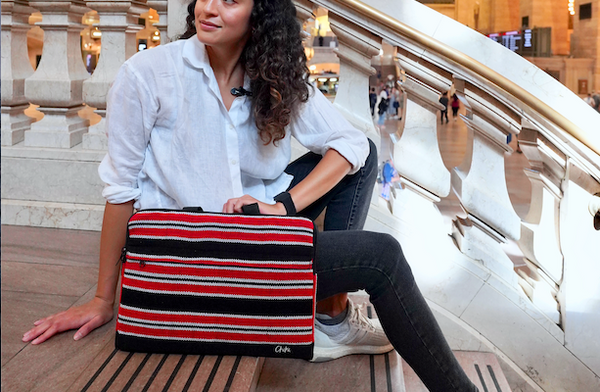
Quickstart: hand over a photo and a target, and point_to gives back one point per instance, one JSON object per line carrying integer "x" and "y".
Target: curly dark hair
{"x": 275, "y": 62}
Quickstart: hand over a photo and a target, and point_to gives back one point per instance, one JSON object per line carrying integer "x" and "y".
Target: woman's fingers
{"x": 90, "y": 315}
{"x": 89, "y": 327}
{"x": 236, "y": 204}
{"x": 48, "y": 333}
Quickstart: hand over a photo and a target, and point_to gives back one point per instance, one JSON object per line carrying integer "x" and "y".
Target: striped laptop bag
{"x": 218, "y": 284}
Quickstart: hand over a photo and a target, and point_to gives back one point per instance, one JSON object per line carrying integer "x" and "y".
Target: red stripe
{"x": 282, "y": 222}
{"x": 219, "y": 272}
{"x": 225, "y": 320}
{"x": 222, "y": 235}
{"x": 257, "y": 264}
{"x": 218, "y": 289}
{"x": 214, "y": 335}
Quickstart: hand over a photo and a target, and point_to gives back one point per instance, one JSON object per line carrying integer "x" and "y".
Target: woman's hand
{"x": 86, "y": 317}
{"x": 236, "y": 204}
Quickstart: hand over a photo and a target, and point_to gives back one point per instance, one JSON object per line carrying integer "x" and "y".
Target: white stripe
{"x": 217, "y": 294}
{"x": 309, "y": 332}
{"x": 240, "y": 316}
{"x": 191, "y": 326}
{"x": 209, "y": 340}
{"x": 190, "y": 259}
{"x": 156, "y": 276}
{"x": 176, "y": 264}
{"x": 221, "y": 240}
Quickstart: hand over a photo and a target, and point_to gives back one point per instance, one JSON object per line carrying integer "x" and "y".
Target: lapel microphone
{"x": 240, "y": 91}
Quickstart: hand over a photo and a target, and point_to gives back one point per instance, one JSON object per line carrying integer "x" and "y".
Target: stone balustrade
{"x": 118, "y": 23}
{"x": 15, "y": 69}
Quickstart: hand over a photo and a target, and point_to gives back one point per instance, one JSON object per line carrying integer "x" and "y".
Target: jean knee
{"x": 392, "y": 259}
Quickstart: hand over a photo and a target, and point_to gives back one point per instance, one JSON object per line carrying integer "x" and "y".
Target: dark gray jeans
{"x": 348, "y": 259}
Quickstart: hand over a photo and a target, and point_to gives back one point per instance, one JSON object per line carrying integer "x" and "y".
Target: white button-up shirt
{"x": 172, "y": 143}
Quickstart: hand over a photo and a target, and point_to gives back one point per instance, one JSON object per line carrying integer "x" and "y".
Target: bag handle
{"x": 251, "y": 209}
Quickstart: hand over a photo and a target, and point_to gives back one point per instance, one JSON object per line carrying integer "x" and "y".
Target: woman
{"x": 455, "y": 106}
{"x": 184, "y": 131}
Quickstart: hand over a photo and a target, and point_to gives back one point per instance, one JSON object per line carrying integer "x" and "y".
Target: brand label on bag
{"x": 283, "y": 350}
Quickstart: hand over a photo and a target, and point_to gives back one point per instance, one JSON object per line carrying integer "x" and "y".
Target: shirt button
{"x": 233, "y": 162}
{"x": 231, "y": 126}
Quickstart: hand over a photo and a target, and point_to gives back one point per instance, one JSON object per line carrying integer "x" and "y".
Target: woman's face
{"x": 223, "y": 22}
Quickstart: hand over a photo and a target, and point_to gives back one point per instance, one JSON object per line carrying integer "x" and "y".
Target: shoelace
{"x": 358, "y": 318}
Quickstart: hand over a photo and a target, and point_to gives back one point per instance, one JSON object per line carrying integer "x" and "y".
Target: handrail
{"x": 475, "y": 66}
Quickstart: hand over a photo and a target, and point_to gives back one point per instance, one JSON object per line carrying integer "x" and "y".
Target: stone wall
{"x": 585, "y": 40}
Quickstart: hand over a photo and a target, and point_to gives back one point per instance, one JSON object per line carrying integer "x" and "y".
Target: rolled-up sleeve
{"x": 319, "y": 127}
{"x": 130, "y": 116}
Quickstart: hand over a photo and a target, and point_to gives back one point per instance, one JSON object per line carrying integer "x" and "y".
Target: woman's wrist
{"x": 285, "y": 199}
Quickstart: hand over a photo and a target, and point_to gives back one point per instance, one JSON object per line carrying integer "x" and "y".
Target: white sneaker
{"x": 355, "y": 335}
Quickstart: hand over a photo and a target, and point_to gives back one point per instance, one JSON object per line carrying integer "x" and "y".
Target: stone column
{"x": 57, "y": 83}
{"x": 480, "y": 184}
{"x": 357, "y": 47}
{"x": 416, "y": 155}
{"x": 161, "y": 8}
{"x": 540, "y": 240}
{"x": 118, "y": 23}
{"x": 15, "y": 69}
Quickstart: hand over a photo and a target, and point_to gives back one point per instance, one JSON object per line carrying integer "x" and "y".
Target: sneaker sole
{"x": 329, "y": 354}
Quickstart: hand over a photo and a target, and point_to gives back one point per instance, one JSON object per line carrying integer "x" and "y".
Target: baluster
{"x": 480, "y": 184}
{"x": 356, "y": 48}
{"x": 416, "y": 153}
{"x": 15, "y": 69}
{"x": 161, "y": 8}
{"x": 57, "y": 83}
{"x": 539, "y": 231}
{"x": 118, "y": 23}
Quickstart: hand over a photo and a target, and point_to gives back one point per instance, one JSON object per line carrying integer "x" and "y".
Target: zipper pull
{"x": 142, "y": 263}
{"x": 123, "y": 257}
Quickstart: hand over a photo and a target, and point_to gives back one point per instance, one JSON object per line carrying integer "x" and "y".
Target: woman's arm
{"x": 99, "y": 310}
{"x": 332, "y": 168}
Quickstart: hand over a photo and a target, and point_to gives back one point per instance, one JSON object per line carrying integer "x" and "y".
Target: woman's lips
{"x": 208, "y": 26}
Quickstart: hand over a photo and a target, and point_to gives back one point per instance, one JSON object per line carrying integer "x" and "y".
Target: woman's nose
{"x": 210, "y": 7}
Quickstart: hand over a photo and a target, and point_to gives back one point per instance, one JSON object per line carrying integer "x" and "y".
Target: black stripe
{"x": 139, "y": 344}
{"x": 199, "y": 304}
{"x": 136, "y": 373}
{"x": 114, "y": 376}
{"x": 100, "y": 369}
{"x": 256, "y": 252}
{"x": 225, "y": 328}
{"x": 388, "y": 374}
{"x": 494, "y": 378}
{"x": 174, "y": 373}
{"x": 193, "y": 374}
{"x": 222, "y": 227}
{"x": 481, "y": 378}
{"x": 232, "y": 373}
{"x": 372, "y": 362}
{"x": 213, "y": 372}
{"x": 225, "y": 282}
{"x": 155, "y": 372}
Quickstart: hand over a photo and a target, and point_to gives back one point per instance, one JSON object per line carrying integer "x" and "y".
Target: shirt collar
{"x": 194, "y": 53}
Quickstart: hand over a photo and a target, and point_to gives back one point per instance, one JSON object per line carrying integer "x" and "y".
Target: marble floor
{"x": 44, "y": 271}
